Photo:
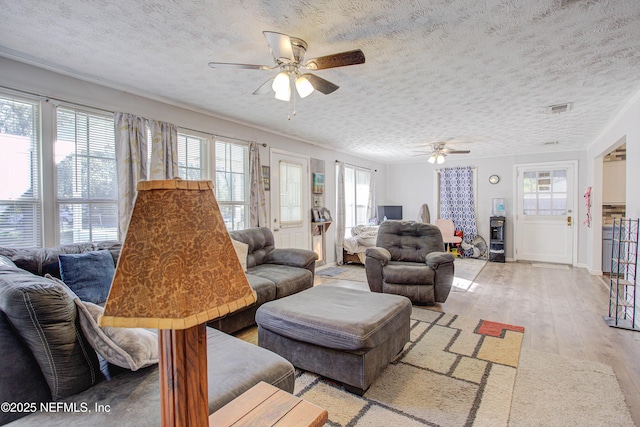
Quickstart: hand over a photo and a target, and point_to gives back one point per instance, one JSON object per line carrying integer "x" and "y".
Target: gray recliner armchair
{"x": 409, "y": 260}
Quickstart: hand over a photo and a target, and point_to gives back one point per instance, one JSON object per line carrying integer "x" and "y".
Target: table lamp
{"x": 177, "y": 270}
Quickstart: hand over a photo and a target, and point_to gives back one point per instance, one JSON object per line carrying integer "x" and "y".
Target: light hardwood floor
{"x": 561, "y": 311}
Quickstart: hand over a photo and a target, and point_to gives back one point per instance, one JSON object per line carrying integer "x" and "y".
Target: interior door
{"x": 290, "y": 209}
{"x": 545, "y": 220}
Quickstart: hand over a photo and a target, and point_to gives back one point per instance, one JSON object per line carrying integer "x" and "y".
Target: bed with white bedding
{"x": 362, "y": 237}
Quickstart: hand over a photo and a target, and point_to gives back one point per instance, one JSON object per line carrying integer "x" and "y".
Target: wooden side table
{"x": 264, "y": 405}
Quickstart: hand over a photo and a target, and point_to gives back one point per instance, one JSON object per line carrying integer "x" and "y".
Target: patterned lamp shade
{"x": 177, "y": 268}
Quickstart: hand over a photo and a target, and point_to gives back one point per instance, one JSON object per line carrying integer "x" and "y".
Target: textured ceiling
{"x": 479, "y": 72}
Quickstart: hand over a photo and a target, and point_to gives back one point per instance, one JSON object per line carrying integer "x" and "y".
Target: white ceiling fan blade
{"x": 265, "y": 87}
{"x": 280, "y": 45}
{"x": 233, "y": 66}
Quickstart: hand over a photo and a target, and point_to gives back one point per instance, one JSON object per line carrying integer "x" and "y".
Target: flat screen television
{"x": 391, "y": 212}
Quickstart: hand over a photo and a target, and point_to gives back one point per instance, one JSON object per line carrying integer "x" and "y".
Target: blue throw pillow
{"x": 89, "y": 274}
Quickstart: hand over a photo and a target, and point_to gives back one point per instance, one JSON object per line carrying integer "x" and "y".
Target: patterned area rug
{"x": 453, "y": 372}
{"x": 466, "y": 271}
{"x": 435, "y": 379}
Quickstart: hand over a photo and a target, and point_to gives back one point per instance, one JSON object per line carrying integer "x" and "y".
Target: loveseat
{"x": 51, "y": 375}
{"x": 272, "y": 272}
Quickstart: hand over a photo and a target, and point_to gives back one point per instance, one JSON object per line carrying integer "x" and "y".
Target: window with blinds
{"x": 20, "y": 194}
{"x": 87, "y": 186}
{"x": 192, "y": 158}
{"x": 232, "y": 183}
{"x": 356, "y": 196}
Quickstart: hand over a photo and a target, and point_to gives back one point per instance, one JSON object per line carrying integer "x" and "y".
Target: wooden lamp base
{"x": 184, "y": 399}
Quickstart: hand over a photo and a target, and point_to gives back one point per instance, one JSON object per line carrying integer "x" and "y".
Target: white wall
{"x": 22, "y": 77}
{"x": 625, "y": 127}
{"x": 412, "y": 184}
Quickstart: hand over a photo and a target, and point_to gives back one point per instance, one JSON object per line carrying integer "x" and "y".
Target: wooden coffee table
{"x": 265, "y": 405}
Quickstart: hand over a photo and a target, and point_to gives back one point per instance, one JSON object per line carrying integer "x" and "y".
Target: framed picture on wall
{"x": 325, "y": 214}
{"x": 266, "y": 178}
{"x": 318, "y": 183}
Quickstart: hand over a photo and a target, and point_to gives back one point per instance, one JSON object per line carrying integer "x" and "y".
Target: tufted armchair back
{"x": 409, "y": 241}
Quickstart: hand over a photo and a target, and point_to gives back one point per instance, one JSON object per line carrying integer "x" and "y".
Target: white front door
{"x": 545, "y": 220}
{"x": 290, "y": 210}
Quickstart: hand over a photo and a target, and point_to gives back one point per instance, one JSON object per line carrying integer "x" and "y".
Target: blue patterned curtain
{"x": 457, "y": 201}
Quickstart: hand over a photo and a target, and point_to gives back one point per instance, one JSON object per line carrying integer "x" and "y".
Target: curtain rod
{"x": 222, "y": 136}
{"x": 46, "y": 98}
{"x": 362, "y": 167}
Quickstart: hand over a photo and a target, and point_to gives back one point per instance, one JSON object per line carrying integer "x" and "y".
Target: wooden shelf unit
{"x": 319, "y": 240}
{"x": 622, "y": 279}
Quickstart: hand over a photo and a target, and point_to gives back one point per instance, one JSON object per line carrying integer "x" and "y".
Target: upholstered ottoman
{"x": 344, "y": 334}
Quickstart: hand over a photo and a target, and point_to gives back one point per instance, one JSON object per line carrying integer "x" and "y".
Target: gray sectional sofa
{"x": 272, "y": 272}
{"x": 50, "y": 375}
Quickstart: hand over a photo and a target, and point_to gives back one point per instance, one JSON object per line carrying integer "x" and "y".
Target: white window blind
{"x": 87, "y": 187}
{"x": 232, "y": 183}
{"x": 356, "y": 195}
{"x": 192, "y": 158}
{"x": 20, "y": 194}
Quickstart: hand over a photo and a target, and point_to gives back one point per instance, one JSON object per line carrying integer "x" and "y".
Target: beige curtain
{"x": 164, "y": 150}
{"x": 371, "y": 200}
{"x": 257, "y": 198}
{"x": 131, "y": 163}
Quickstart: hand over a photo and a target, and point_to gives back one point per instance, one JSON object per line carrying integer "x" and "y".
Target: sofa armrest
{"x": 436, "y": 259}
{"x": 302, "y": 258}
{"x": 381, "y": 254}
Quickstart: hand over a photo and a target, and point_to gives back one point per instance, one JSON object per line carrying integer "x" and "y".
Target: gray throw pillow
{"x": 44, "y": 315}
{"x": 88, "y": 274}
{"x": 131, "y": 348}
{"x": 6, "y": 261}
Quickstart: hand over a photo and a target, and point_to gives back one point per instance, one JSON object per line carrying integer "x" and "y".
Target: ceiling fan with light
{"x": 439, "y": 151}
{"x": 288, "y": 54}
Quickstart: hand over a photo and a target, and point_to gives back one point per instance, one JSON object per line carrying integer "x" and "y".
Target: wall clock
{"x": 494, "y": 179}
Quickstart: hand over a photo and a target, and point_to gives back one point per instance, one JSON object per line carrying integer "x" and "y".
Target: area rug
{"x": 434, "y": 379}
{"x": 453, "y": 372}
{"x": 466, "y": 271}
{"x": 331, "y": 271}
{"x": 552, "y": 390}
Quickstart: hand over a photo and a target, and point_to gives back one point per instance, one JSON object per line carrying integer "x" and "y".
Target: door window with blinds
{"x": 545, "y": 192}
{"x": 20, "y": 195}
{"x": 290, "y": 193}
{"x": 87, "y": 209}
{"x": 232, "y": 183}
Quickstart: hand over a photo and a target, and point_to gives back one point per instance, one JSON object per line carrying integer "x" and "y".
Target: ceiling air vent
{"x": 559, "y": 108}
